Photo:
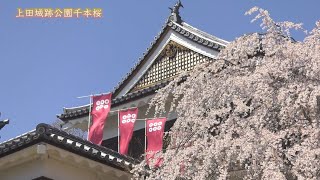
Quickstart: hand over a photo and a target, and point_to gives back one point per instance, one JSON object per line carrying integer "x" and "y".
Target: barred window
{"x": 174, "y": 58}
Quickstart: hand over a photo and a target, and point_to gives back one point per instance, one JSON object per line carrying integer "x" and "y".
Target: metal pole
{"x": 145, "y": 119}
{"x": 89, "y": 119}
{"x": 145, "y": 136}
{"x": 122, "y": 109}
{"x": 92, "y": 95}
{"x": 118, "y": 132}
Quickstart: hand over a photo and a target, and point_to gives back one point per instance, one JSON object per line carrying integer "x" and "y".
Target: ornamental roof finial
{"x": 3, "y": 122}
{"x": 175, "y": 14}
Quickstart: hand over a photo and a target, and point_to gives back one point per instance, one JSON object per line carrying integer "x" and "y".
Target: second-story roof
{"x": 174, "y": 24}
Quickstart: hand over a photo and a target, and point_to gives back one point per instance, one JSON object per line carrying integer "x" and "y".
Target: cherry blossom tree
{"x": 252, "y": 113}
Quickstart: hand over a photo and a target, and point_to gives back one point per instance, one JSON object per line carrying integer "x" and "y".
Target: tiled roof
{"x": 78, "y": 112}
{"x": 184, "y": 29}
{"x": 48, "y": 134}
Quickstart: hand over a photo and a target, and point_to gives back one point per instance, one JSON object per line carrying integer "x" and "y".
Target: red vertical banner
{"x": 127, "y": 119}
{"x": 155, "y": 129}
{"x": 101, "y": 108}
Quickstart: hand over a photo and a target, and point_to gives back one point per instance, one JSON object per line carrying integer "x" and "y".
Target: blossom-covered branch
{"x": 252, "y": 113}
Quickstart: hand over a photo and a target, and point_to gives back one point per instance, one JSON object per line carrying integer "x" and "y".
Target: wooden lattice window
{"x": 173, "y": 59}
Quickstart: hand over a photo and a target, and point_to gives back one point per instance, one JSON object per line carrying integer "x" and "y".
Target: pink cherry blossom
{"x": 253, "y": 112}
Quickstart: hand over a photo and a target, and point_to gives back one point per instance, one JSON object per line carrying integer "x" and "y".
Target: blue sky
{"x": 46, "y": 63}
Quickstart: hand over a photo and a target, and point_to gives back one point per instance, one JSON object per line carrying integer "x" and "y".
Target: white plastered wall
{"x": 56, "y": 164}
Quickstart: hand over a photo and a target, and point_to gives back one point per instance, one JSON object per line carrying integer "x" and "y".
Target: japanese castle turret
{"x": 178, "y": 47}
{"x": 50, "y": 153}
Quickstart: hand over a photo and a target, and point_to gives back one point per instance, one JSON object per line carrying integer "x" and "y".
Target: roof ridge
{"x": 141, "y": 58}
{"x": 83, "y": 110}
{"x": 11, "y": 139}
{"x": 59, "y": 138}
{"x": 194, "y": 36}
{"x": 43, "y": 129}
{"x": 224, "y": 42}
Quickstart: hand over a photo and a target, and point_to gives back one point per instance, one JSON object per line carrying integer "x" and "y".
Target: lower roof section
{"x": 47, "y": 134}
{"x": 82, "y": 111}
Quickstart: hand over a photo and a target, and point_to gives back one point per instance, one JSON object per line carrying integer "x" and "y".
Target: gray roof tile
{"x": 48, "y": 134}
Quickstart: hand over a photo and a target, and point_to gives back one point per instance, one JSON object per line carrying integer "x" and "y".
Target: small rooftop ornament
{"x": 175, "y": 14}
{"x": 3, "y": 122}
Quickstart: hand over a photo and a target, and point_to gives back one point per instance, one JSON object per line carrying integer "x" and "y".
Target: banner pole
{"x": 122, "y": 109}
{"x": 89, "y": 120}
{"x": 80, "y": 97}
{"x": 118, "y": 133}
{"x": 145, "y": 137}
